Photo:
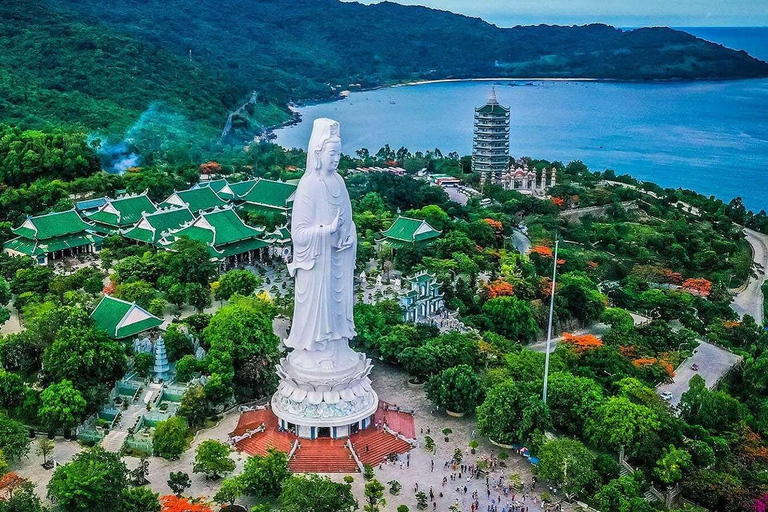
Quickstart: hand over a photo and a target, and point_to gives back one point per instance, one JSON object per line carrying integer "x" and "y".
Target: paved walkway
{"x": 713, "y": 362}
{"x": 750, "y": 300}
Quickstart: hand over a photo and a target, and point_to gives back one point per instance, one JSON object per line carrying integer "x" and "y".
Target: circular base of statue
{"x": 335, "y": 421}
{"x": 325, "y": 403}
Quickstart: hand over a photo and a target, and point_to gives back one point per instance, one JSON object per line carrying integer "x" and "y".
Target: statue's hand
{"x": 337, "y": 222}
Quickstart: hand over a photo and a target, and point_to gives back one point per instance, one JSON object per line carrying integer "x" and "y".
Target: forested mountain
{"x": 99, "y": 65}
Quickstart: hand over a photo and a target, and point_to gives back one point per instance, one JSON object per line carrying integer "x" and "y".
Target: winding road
{"x": 749, "y": 301}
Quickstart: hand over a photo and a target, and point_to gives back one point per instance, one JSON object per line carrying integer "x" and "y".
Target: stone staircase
{"x": 323, "y": 456}
{"x": 380, "y": 444}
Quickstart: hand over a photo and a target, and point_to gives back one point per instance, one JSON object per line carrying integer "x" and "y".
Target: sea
{"x": 708, "y": 136}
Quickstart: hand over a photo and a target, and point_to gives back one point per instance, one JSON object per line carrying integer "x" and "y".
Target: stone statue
{"x": 324, "y": 248}
{"x": 324, "y": 384}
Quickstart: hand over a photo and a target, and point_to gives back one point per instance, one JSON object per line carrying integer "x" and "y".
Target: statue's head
{"x": 324, "y": 149}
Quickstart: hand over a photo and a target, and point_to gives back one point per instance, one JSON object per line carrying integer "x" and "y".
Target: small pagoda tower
{"x": 490, "y": 146}
{"x": 161, "y": 361}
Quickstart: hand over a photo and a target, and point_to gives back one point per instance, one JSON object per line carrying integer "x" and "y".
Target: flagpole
{"x": 549, "y": 329}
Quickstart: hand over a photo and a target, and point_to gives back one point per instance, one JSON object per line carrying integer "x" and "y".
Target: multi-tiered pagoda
{"x": 490, "y": 147}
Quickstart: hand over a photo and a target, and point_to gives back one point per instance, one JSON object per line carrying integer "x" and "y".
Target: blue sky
{"x": 621, "y": 13}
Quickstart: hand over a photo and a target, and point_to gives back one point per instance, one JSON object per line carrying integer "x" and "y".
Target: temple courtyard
{"x": 391, "y": 384}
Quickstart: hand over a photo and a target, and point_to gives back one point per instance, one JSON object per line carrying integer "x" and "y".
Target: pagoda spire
{"x": 492, "y": 98}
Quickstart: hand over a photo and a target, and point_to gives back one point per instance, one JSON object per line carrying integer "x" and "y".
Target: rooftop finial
{"x": 492, "y": 99}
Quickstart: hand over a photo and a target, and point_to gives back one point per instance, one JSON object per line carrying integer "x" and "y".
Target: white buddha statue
{"x": 324, "y": 249}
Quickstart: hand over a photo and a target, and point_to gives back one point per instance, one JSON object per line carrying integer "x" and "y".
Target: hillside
{"x": 292, "y": 49}
{"x": 56, "y": 70}
{"x": 181, "y": 67}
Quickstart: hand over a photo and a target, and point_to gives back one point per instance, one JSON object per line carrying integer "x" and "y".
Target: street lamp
{"x": 549, "y": 328}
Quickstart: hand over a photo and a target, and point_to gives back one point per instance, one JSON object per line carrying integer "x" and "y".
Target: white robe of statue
{"x": 324, "y": 247}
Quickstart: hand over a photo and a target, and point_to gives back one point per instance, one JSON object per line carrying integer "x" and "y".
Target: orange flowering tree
{"x": 210, "y": 167}
{"x": 173, "y": 503}
{"x": 558, "y": 201}
{"x": 542, "y": 250}
{"x": 697, "y": 286}
{"x": 583, "y": 342}
{"x": 499, "y": 288}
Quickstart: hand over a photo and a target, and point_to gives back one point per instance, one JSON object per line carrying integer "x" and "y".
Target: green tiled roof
{"x": 274, "y": 194}
{"x": 222, "y": 251}
{"x": 124, "y": 211}
{"x": 280, "y": 233}
{"x": 241, "y": 187}
{"x": 492, "y": 109}
{"x": 221, "y": 187}
{"x": 52, "y": 225}
{"x": 121, "y": 319}
{"x": 151, "y": 227}
{"x": 196, "y": 199}
{"x": 219, "y": 227}
{"x": 405, "y": 229}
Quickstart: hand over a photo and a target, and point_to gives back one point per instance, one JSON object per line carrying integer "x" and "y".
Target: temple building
{"x": 406, "y": 231}
{"x": 490, "y": 146}
{"x": 153, "y": 226}
{"x": 53, "y": 236}
{"x": 196, "y": 199}
{"x": 420, "y": 297}
{"x": 281, "y": 247}
{"x": 121, "y": 213}
{"x": 230, "y": 241}
{"x": 122, "y": 319}
{"x": 527, "y": 181}
{"x": 269, "y": 197}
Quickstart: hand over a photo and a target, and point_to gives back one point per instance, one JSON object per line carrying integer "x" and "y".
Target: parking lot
{"x": 713, "y": 363}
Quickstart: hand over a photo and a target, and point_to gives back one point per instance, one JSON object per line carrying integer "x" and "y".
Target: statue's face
{"x": 329, "y": 157}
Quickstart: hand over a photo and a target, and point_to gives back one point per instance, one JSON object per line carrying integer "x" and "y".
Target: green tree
{"x": 140, "y": 499}
{"x": 13, "y": 389}
{"x": 212, "y": 458}
{"x": 623, "y": 494}
{"x": 511, "y": 415}
{"x": 186, "y": 368}
{"x": 314, "y": 493}
{"x": 568, "y": 464}
{"x": 620, "y": 423}
{"x": 178, "y": 343}
{"x": 230, "y": 490}
{"x": 584, "y": 301}
{"x": 458, "y": 389}
{"x": 263, "y": 476}
{"x": 243, "y": 346}
{"x": 14, "y": 438}
{"x": 194, "y": 405}
{"x": 177, "y": 295}
{"x": 512, "y": 318}
{"x": 85, "y": 356}
{"x": 672, "y": 465}
{"x": 242, "y": 282}
{"x": 93, "y": 481}
{"x": 62, "y": 407}
{"x": 190, "y": 262}
{"x": 374, "y": 496}
{"x": 143, "y": 363}
{"x": 198, "y": 296}
{"x": 140, "y": 292}
{"x": 572, "y": 400}
{"x": 45, "y": 447}
{"x": 713, "y": 410}
{"x": 170, "y": 437}
{"x": 23, "y": 499}
{"x": 178, "y": 481}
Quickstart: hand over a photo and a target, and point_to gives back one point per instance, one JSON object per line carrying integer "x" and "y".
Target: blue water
{"x": 708, "y": 136}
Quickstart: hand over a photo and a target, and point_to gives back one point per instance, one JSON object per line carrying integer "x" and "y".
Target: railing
{"x": 412, "y": 442}
{"x": 359, "y": 463}
{"x": 247, "y": 434}
{"x": 294, "y": 447}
